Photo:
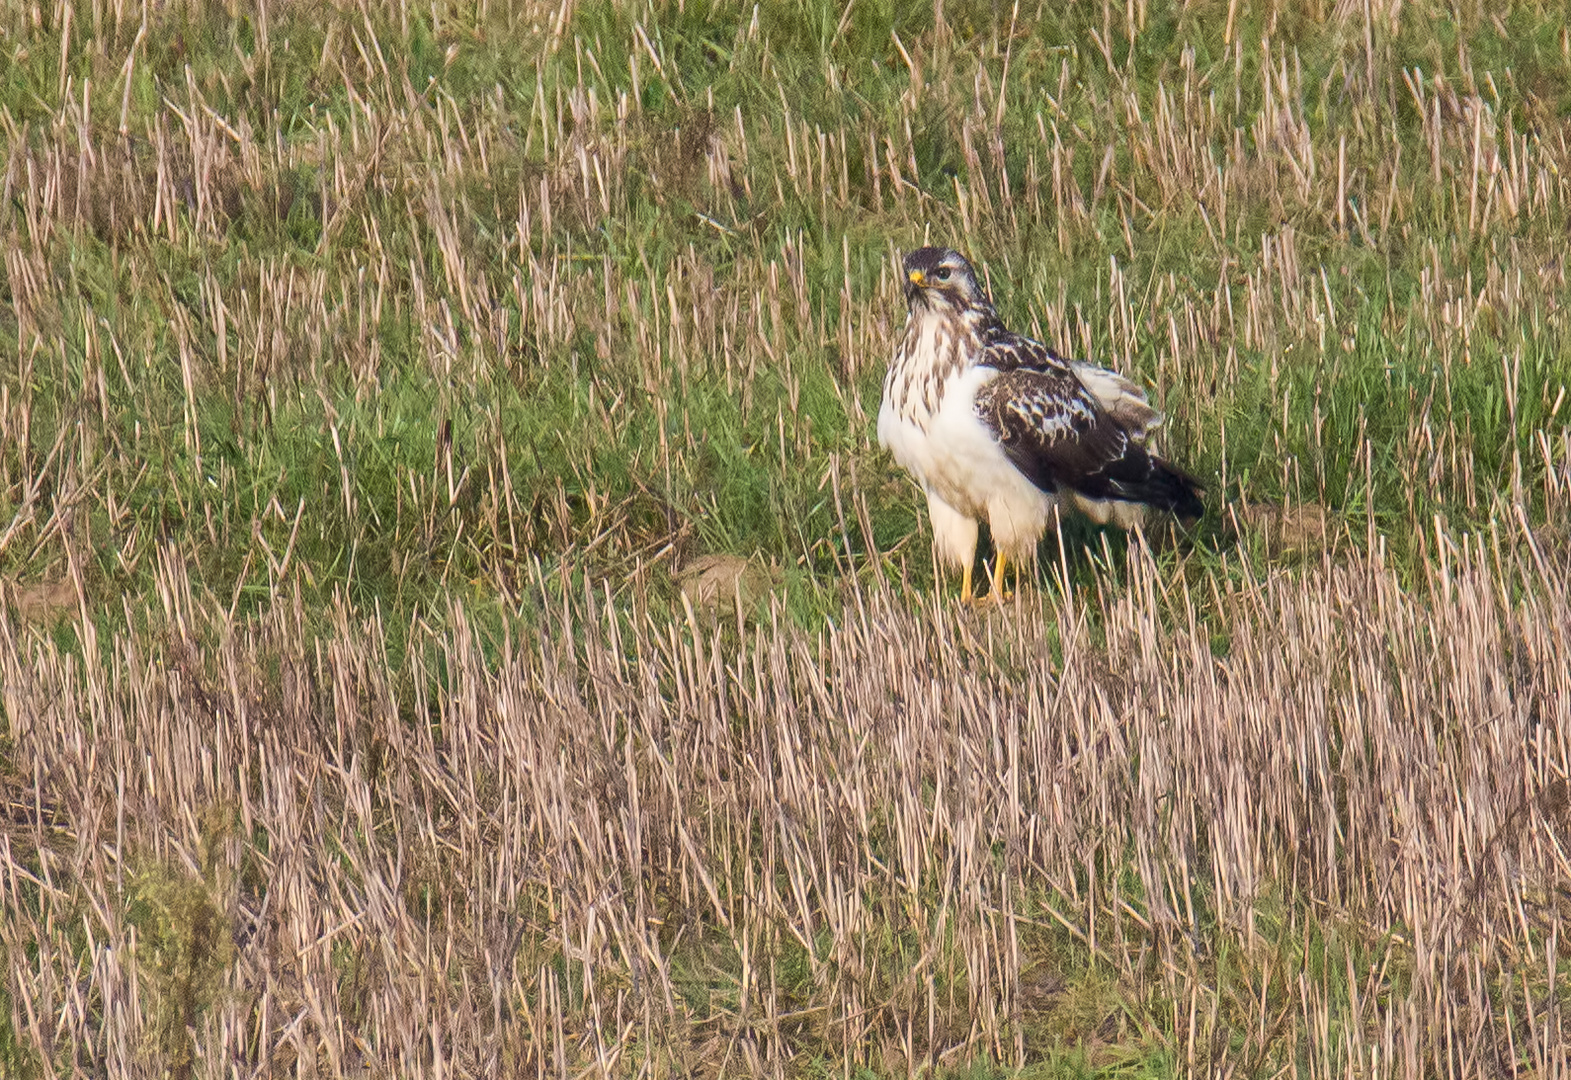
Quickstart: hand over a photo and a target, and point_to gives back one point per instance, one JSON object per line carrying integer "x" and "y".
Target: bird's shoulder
{"x": 1034, "y": 388}
{"x": 1039, "y": 405}
{"x": 1007, "y": 351}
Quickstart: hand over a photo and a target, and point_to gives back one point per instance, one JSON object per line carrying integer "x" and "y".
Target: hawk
{"x": 995, "y": 425}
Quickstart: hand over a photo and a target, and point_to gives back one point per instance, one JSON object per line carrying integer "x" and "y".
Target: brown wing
{"x": 1053, "y": 430}
{"x": 1008, "y": 351}
{"x": 1110, "y": 391}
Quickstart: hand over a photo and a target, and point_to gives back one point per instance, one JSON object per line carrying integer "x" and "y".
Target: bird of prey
{"x": 995, "y": 425}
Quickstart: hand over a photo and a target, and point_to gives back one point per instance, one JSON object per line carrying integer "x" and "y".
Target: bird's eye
{"x": 942, "y": 273}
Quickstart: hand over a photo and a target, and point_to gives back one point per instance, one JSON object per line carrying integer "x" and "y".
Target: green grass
{"x": 1347, "y": 349}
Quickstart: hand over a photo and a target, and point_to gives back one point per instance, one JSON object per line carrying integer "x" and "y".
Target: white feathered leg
{"x": 1017, "y": 524}
{"x": 954, "y": 538}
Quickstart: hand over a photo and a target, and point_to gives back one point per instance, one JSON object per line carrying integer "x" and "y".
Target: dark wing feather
{"x": 1009, "y": 351}
{"x": 1049, "y": 427}
{"x": 1054, "y": 432}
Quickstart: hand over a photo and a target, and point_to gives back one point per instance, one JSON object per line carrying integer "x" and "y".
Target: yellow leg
{"x": 999, "y": 595}
{"x": 965, "y": 585}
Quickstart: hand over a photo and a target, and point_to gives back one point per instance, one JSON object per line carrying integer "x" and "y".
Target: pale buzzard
{"x": 995, "y": 425}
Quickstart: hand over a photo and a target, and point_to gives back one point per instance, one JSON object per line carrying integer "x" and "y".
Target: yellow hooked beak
{"x": 918, "y": 278}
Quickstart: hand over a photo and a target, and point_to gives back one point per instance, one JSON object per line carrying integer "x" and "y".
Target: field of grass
{"x": 455, "y": 618}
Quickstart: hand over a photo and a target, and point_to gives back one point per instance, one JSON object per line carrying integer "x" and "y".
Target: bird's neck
{"x": 937, "y": 341}
{"x": 939, "y": 344}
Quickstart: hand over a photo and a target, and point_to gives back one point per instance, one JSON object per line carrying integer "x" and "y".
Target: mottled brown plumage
{"x": 995, "y": 425}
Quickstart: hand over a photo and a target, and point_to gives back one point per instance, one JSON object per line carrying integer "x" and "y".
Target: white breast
{"x": 950, "y": 452}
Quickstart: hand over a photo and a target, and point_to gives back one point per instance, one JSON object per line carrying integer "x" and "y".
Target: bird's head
{"x": 941, "y": 278}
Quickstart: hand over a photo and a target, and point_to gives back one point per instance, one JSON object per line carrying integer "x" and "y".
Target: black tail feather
{"x": 1174, "y": 490}
{"x": 1144, "y": 478}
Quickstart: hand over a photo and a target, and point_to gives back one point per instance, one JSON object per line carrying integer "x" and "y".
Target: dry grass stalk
{"x": 625, "y": 844}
